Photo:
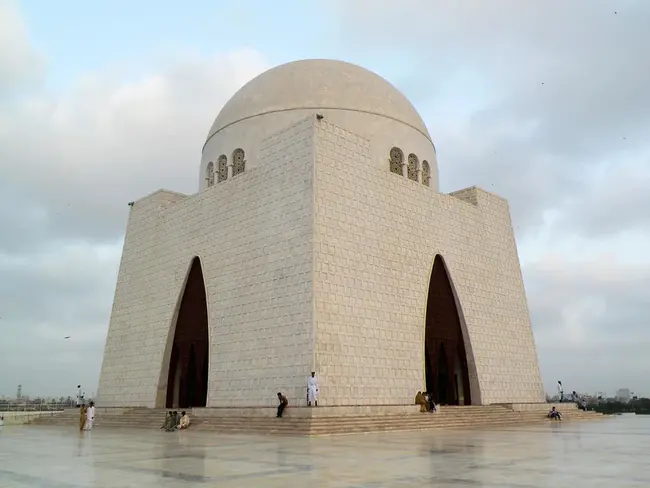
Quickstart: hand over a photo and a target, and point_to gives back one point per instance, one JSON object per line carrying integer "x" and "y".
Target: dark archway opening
{"x": 187, "y": 384}
{"x": 442, "y": 382}
{"x": 447, "y": 375}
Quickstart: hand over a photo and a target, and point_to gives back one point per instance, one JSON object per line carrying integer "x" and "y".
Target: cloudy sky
{"x": 546, "y": 103}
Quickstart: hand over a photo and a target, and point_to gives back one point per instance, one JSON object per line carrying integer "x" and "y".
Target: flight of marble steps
{"x": 448, "y": 417}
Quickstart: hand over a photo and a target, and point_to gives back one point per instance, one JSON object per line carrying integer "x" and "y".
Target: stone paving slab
{"x": 609, "y": 453}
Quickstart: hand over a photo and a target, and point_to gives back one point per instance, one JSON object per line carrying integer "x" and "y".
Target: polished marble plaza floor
{"x": 609, "y": 453}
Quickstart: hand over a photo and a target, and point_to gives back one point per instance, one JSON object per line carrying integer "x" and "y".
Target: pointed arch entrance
{"x": 187, "y": 382}
{"x": 447, "y": 374}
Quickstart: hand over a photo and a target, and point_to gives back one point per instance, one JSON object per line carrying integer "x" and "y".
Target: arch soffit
{"x": 467, "y": 341}
{"x": 171, "y": 327}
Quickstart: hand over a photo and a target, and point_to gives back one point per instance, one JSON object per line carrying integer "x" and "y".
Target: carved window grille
{"x": 209, "y": 174}
{"x": 426, "y": 173}
{"x": 238, "y": 162}
{"x": 222, "y": 168}
{"x": 396, "y": 160}
{"x": 412, "y": 168}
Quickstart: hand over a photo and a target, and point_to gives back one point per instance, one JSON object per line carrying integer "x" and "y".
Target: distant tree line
{"x": 639, "y": 406}
{"x": 37, "y": 404}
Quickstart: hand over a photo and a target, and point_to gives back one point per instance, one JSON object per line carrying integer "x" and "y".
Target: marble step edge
{"x": 293, "y": 426}
{"x": 306, "y": 419}
{"x": 404, "y": 418}
{"x": 347, "y": 420}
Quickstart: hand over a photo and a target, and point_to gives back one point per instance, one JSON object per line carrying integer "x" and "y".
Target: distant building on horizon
{"x": 623, "y": 395}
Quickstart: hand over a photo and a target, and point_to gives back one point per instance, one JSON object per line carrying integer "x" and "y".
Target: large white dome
{"x": 318, "y": 84}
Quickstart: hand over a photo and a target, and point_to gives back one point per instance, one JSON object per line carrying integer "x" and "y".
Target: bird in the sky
{"x": 67, "y": 337}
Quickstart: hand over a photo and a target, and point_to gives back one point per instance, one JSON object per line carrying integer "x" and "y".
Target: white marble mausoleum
{"x": 318, "y": 240}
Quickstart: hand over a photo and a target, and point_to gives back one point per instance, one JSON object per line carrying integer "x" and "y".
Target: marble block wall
{"x": 376, "y": 235}
{"x": 253, "y": 236}
{"x": 315, "y": 259}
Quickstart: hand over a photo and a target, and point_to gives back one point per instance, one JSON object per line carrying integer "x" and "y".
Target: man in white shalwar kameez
{"x": 90, "y": 416}
{"x": 312, "y": 390}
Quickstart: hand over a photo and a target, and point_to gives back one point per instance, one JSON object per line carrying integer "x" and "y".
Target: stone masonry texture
{"x": 253, "y": 236}
{"x": 376, "y": 235}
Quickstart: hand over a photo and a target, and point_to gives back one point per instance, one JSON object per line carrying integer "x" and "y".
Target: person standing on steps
{"x": 312, "y": 390}
{"x": 560, "y": 391}
{"x": 283, "y": 404}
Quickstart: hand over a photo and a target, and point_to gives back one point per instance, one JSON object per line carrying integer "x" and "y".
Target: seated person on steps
{"x": 554, "y": 414}
{"x": 283, "y": 404}
{"x": 421, "y": 400}
{"x": 431, "y": 404}
{"x": 184, "y": 422}
{"x": 170, "y": 422}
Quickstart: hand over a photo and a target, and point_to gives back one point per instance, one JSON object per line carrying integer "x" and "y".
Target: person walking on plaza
{"x": 90, "y": 416}
{"x": 82, "y": 417}
{"x": 312, "y": 387}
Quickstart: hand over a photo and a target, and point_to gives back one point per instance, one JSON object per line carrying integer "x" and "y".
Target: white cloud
{"x": 79, "y": 157}
{"x": 563, "y": 88}
{"x": 549, "y": 108}
{"x": 20, "y": 65}
{"x": 544, "y": 103}
{"x": 70, "y": 162}
{"x": 590, "y": 317}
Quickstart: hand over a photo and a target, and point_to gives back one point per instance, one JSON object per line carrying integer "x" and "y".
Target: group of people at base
{"x": 312, "y": 395}
{"x": 174, "y": 421}
{"x": 575, "y": 397}
{"x": 86, "y": 416}
{"x": 426, "y": 402}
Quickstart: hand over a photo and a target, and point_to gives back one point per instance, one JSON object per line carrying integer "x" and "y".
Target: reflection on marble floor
{"x": 608, "y": 453}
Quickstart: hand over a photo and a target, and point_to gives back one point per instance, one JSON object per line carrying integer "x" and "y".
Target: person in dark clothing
{"x": 554, "y": 414}
{"x": 170, "y": 422}
{"x": 431, "y": 404}
{"x": 283, "y": 404}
